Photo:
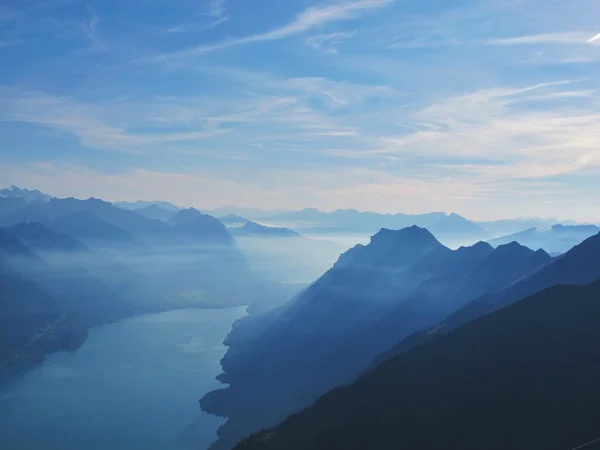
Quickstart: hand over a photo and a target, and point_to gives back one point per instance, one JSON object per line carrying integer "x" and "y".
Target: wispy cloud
{"x": 548, "y": 38}
{"x": 329, "y": 43}
{"x": 217, "y": 9}
{"x": 95, "y": 126}
{"x": 90, "y": 27}
{"x": 193, "y": 27}
{"x": 594, "y": 39}
{"x": 308, "y": 19}
{"x": 531, "y": 139}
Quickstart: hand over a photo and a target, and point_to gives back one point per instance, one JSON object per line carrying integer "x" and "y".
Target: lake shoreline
{"x": 73, "y": 340}
{"x": 132, "y": 369}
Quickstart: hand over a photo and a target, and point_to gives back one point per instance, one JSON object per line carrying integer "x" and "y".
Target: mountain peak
{"x": 513, "y": 254}
{"x": 405, "y": 246}
{"x": 185, "y": 215}
{"x": 413, "y": 233}
{"x": 256, "y": 229}
{"x": 513, "y": 248}
{"x": 33, "y": 196}
{"x": 479, "y": 245}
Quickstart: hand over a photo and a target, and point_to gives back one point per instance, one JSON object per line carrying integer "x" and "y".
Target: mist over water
{"x": 134, "y": 385}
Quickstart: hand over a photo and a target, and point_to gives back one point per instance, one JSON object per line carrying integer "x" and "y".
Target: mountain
{"x": 34, "y": 196}
{"x": 85, "y": 225}
{"x": 11, "y": 246}
{"x": 40, "y": 239}
{"x": 504, "y": 227}
{"x": 233, "y": 219}
{"x": 505, "y": 265}
{"x": 185, "y": 215}
{"x": 194, "y": 258}
{"x": 373, "y": 297}
{"x": 79, "y": 288}
{"x": 554, "y": 239}
{"x": 251, "y": 213}
{"x": 102, "y": 222}
{"x": 350, "y": 221}
{"x": 579, "y": 266}
{"x": 522, "y": 377}
{"x": 30, "y": 323}
{"x": 157, "y": 212}
{"x": 63, "y": 274}
{"x": 134, "y": 206}
{"x": 55, "y": 209}
{"x": 258, "y": 230}
{"x": 10, "y": 204}
{"x": 191, "y": 222}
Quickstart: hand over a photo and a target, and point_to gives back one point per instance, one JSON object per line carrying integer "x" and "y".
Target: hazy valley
{"x": 320, "y": 315}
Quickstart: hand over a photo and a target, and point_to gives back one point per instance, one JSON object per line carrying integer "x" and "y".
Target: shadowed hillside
{"x": 523, "y": 377}
{"x": 373, "y": 297}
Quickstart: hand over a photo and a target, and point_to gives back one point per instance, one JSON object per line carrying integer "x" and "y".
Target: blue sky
{"x": 482, "y": 107}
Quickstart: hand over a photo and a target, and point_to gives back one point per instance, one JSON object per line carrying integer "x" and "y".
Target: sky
{"x": 486, "y": 108}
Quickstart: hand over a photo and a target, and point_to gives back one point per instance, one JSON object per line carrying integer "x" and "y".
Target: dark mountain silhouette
{"x": 374, "y": 296}
{"x": 156, "y": 212}
{"x": 503, "y": 266}
{"x": 579, "y": 266}
{"x": 258, "y": 230}
{"x": 555, "y": 239}
{"x": 522, "y": 377}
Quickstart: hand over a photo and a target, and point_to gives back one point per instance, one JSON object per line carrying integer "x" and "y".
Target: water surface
{"x": 134, "y": 385}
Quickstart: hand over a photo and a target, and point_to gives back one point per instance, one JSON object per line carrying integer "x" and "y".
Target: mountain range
{"x": 140, "y": 205}
{"x": 402, "y": 342}
{"x": 374, "y": 297}
{"x": 555, "y": 239}
{"x": 578, "y": 267}
{"x": 522, "y": 377}
{"x": 89, "y": 263}
{"x": 350, "y": 221}
{"x": 258, "y": 230}
{"x": 31, "y": 323}
{"x": 33, "y": 196}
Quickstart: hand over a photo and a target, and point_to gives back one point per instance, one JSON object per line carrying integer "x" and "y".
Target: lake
{"x": 133, "y": 385}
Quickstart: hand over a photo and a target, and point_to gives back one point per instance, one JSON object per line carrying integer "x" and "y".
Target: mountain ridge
{"x": 510, "y": 389}
{"x": 372, "y": 298}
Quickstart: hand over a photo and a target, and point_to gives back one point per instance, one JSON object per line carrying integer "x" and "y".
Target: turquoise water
{"x": 134, "y": 385}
